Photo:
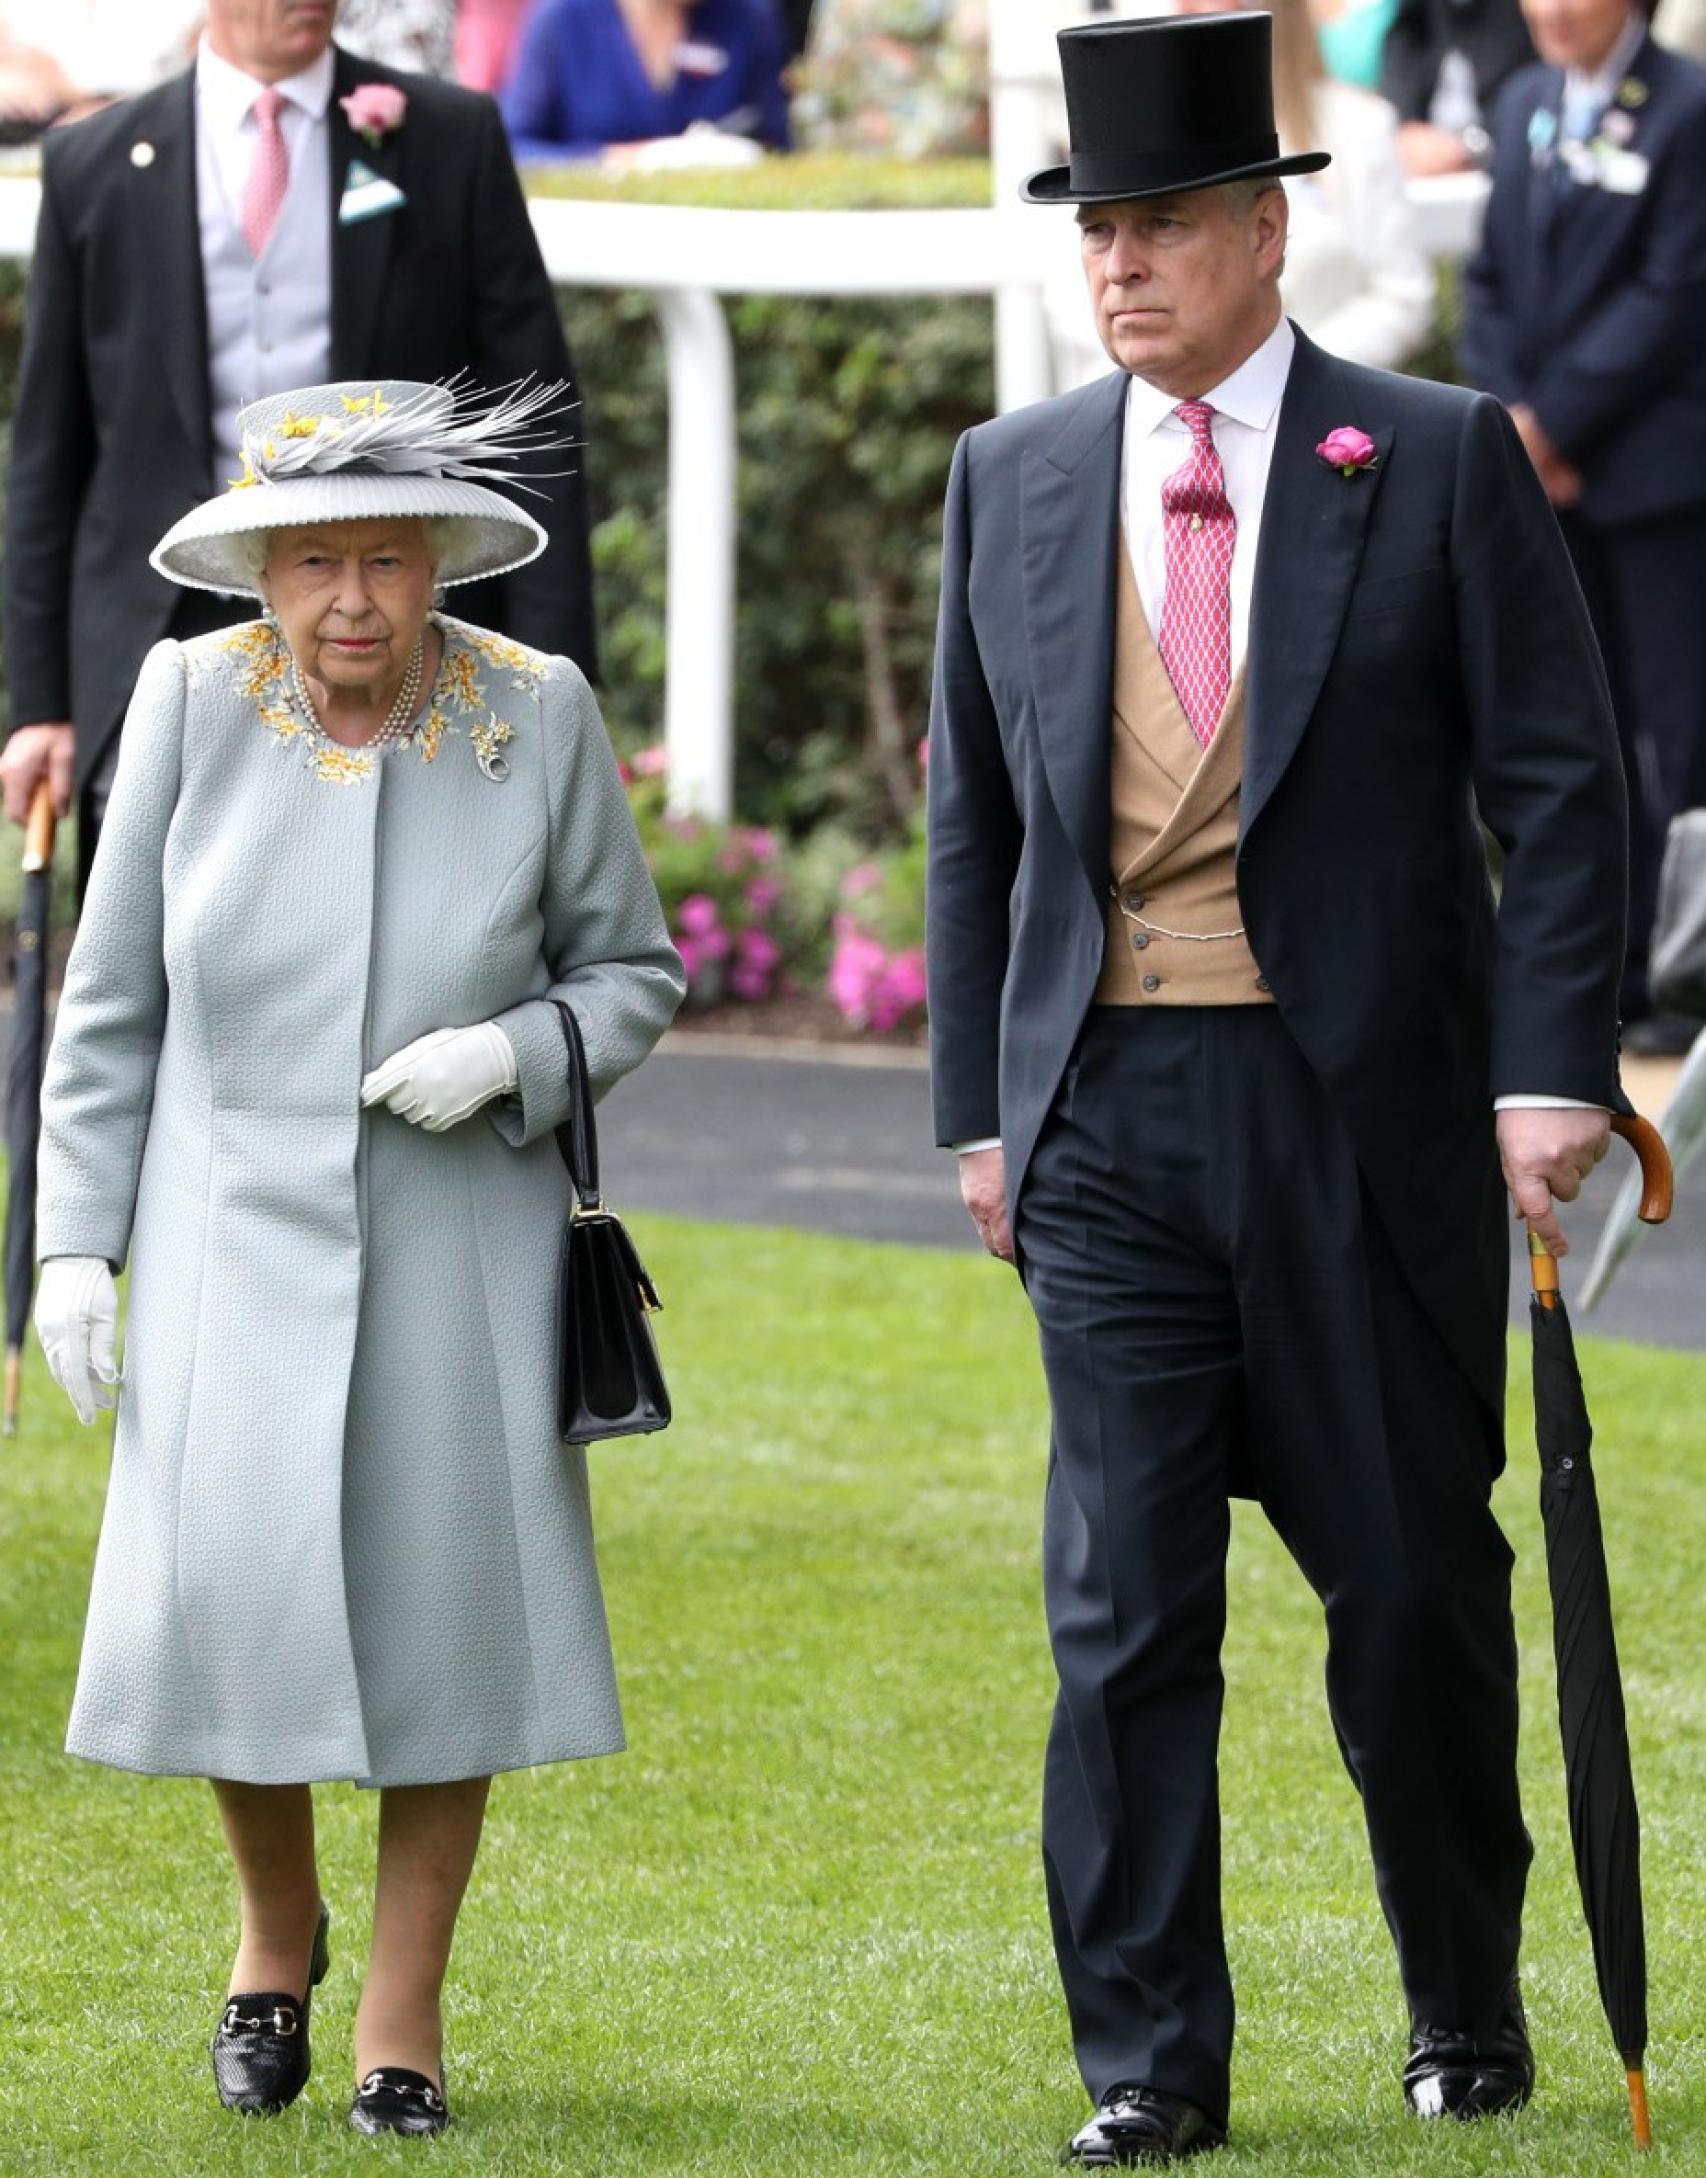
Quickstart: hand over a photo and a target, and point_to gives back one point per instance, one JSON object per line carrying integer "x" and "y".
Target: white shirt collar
{"x": 1604, "y": 81}
{"x": 1250, "y": 395}
{"x": 229, "y": 94}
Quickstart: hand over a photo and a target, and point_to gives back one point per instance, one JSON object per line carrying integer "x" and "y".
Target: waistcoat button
{"x": 1152, "y": 983}
{"x": 1262, "y": 984}
{"x": 1140, "y": 938}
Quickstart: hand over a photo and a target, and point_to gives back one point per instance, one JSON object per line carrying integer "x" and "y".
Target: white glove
{"x": 442, "y": 1077}
{"x": 77, "y": 1323}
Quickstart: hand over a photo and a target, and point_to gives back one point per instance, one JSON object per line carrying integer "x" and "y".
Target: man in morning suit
{"x": 228, "y": 236}
{"x": 1232, "y": 1044}
{"x": 1585, "y": 311}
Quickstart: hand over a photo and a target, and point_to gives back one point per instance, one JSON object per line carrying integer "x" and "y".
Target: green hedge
{"x": 803, "y": 182}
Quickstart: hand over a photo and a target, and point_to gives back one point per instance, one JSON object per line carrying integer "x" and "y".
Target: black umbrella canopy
{"x": 23, "y": 1087}
{"x": 1605, "y": 1826}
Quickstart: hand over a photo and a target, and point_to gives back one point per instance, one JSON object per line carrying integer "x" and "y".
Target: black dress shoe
{"x": 391, "y": 2100}
{"x": 260, "y": 2051}
{"x": 1459, "y": 2075}
{"x": 1142, "y": 2125}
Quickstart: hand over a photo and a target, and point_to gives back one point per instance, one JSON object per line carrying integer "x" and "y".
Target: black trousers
{"x": 1644, "y": 587}
{"x": 1213, "y": 1290}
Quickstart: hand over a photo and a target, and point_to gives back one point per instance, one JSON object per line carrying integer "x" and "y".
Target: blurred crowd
{"x": 577, "y": 78}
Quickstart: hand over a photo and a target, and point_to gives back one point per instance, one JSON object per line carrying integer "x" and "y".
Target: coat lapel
{"x": 1314, "y": 522}
{"x": 1069, "y": 524}
{"x": 165, "y": 223}
{"x": 361, "y": 248}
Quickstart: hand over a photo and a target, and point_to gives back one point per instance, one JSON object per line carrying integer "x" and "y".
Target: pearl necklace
{"x": 398, "y": 720}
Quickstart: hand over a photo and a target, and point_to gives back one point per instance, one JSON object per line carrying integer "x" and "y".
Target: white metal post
{"x": 1018, "y": 145}
{"x": 699, "y": 690}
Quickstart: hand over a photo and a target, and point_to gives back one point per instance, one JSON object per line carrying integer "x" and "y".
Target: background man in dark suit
{"x": 1221, "y": 1012}
{"x": 227, "y": 236}
{"x": 1585, "y": 311}
{"x": 1442, "y": 68}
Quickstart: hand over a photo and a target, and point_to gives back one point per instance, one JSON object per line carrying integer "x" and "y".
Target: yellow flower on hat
{"x": 298, "y": 427}
{"x": 367, "y": 404}
{"x": 246, "y": 481}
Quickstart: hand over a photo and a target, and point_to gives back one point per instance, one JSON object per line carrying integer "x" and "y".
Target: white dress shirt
{"x": 1246, "y": 406}
{"x": 1246, "y": 413}
{"x": 269, "y": 321}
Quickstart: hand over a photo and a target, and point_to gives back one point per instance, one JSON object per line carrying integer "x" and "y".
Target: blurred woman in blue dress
{"x": 595, "y": 75}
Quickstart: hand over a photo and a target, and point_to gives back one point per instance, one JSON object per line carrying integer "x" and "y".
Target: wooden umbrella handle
{"x": 39, "y": 832}
{"x": 1658, "y": 1191}
{"x": 1658, "y": 1181}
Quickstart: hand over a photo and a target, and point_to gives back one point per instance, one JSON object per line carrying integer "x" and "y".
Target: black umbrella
{"x": 23, "y": 1087}
{"x": 1605, "y": 1825}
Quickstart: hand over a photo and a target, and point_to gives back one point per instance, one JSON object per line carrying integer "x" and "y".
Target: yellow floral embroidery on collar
{"x": 460, "y": 702}
{"x": 343, "y": 767}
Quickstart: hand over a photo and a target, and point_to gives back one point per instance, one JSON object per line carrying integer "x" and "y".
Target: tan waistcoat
{"x": 1174, "y": 836}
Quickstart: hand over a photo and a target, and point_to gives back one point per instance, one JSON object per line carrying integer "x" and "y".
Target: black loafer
{"x": 1143, "y": 2125}
{"x": 392, "y": 2100}
{"x": 261, "y": 2059}
{"x": 1459, "y": 2075}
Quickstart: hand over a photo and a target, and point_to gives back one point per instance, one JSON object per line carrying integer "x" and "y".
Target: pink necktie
{"x": 269, "y": 175}
{"x": 1199, "y": 530}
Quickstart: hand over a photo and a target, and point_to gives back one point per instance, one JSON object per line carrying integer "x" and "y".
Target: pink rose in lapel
{"x": 1347, "y": 449}
{"x": 375, "y": 109}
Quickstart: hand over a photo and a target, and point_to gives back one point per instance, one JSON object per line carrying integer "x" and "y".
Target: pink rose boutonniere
{"x": 1347, "y": 449}
{"x": 375, "y": 110}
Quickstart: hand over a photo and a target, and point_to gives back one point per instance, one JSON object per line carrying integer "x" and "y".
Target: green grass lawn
{"x": 799, "y": 1926}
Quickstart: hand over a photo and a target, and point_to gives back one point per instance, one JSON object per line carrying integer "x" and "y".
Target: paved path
{"x": 841, "y": 1148}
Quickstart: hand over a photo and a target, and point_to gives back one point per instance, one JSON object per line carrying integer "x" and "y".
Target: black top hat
{"x": 1165, "y": 104}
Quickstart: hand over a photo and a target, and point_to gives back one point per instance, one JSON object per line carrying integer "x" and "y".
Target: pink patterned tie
{"x": 269, "y": 175}
{"x": 1199, "y": 530}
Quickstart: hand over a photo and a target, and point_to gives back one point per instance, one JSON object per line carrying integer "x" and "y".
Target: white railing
{"x": 689, "y": 258}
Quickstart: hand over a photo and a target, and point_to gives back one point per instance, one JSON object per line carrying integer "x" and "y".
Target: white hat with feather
{"x": 370, "y": 450}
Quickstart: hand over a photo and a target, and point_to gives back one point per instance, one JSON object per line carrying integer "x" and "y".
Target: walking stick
{"x": 23, "y": 1088}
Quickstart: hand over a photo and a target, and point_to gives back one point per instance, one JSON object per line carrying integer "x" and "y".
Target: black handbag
{"x": 609, "y": 1378}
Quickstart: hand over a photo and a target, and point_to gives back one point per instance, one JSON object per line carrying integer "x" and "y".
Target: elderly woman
{"x": 305, "y": 1077}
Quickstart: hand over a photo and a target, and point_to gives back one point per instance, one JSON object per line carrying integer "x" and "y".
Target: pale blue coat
{"x": 341, "y": 1538}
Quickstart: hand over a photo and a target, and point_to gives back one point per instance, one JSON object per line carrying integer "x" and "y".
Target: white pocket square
{"x": 366, "y": 195}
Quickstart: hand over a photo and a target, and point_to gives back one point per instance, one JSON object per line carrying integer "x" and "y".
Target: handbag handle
{"x": 577, "y": 1137}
